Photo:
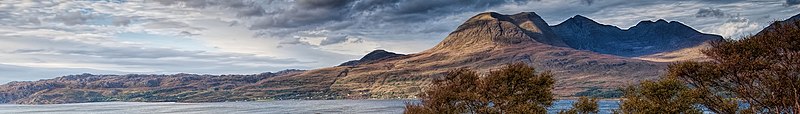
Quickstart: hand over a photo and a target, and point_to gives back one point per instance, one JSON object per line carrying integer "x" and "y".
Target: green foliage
{"x": 600, "y": 93}
{"x": 762, "y": 70}
{"x": 584, "y": 105}
{"x": 514, "y": 89}
{"x": 665, "y": 96}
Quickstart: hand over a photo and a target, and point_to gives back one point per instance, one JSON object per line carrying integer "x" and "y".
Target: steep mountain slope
{"x": 792, "y": 19}
{"x": 484, "y": 42}
{"x": 646, "y": 38}
{"x": 686, "y": 54}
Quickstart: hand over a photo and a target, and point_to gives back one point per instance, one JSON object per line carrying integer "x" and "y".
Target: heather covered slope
{"x": 134, "y": 87}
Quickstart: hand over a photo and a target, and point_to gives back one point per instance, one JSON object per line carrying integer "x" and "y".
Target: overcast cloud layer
{"x": 44, "y": 39}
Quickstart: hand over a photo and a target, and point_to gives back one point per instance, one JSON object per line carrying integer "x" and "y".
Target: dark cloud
{"x": 792, "y": 2}
{"x": 73, "y": 18}
{"x": 588, "y": 2}
{"x": 243, "y": 8}
{"x": 34, "y": 21}
{"x": 322, "y": 4}
{"x": 340, "y": 14}
{"x": 121, "y": 21}
{"x": 287, "y": 18}
{"x": 710, "y": 12}
{"x": 251, "y": 11}
{"x": 306, "y": 13}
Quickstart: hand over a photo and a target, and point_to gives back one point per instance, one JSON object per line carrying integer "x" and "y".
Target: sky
{"x": 42, "y": 39}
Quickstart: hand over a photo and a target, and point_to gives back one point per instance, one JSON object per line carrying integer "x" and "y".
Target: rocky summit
{"x": 586, "y": 58}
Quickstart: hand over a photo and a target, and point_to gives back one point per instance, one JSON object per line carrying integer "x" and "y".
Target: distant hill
{"x": 646, "y": 38}
{"x": 372, "y": 56}
{"x": 586, "y": 58}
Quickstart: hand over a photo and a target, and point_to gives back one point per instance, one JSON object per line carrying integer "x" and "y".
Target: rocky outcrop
{"x": 491, "y": 29}
{"x": 646, "y": 38}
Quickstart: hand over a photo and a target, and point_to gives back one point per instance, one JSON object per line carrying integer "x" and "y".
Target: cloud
{"x": 336, "y": 15}
{"x": 251, "y": 11}
{"x": 121, "y": 21}
{"x": 588, "y": 2}
{"x": 792, "y": 2}
{"x": 736, "y": 27}
{"x": 710, "y": 12}
{"x": 77, "y": 54}
{"x": 335, "y": 39}
{"x": 72, "y": 17}
{"x": 294, "y": 42}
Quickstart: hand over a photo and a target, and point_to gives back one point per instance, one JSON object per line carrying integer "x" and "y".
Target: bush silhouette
{"x": 762, "y": 70}
{"x": 664, "y": 96}
{"x": 515, "y": 89}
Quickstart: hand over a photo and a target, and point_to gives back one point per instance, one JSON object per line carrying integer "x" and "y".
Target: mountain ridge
{"x": 645, "y": 38}
{"x": 484, "y": 42}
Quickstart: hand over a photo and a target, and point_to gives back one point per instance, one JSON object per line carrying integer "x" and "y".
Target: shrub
{"x": 584, "y": 105}
{"x": 516, "y": 88}
{"x": 762, "y": 70}
{"x": 665, "y": 96}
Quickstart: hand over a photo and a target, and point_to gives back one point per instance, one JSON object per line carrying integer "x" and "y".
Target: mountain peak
{"x": 372, "y": 56}
{"x": 378, "y": 54}
{"x": 581, "y": 18}
{"x": 493, "y": 29}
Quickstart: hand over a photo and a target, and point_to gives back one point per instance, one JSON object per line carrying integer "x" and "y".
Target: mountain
{"x": 372, "y": 56}
{"x": 484, "y": 42}
{"x": 491, "y": 29}
{"x": 792, "y": 19}
{"x": 646, "y": 38}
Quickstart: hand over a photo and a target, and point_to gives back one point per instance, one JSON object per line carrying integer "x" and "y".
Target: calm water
{"x": 268, "y": 107}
